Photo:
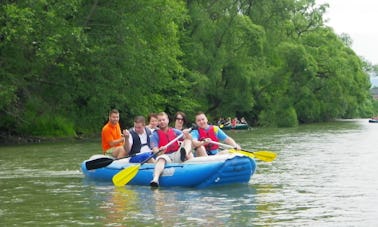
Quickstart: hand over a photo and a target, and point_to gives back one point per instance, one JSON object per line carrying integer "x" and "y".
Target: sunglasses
{"x": 180, "y": 119}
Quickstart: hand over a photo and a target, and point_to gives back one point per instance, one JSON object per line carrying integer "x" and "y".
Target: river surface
{"x": 324, "y": 175}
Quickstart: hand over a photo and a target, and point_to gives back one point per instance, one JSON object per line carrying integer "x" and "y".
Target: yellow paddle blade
{"x": 125, "y": 176}
{"x": 242, "y": 152}
{"x": 266, "y": 156}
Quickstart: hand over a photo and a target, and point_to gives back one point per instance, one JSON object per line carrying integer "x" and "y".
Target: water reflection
{"x": 167, "y": 208}
{"x": 214, "y": 206}
{"x": 122, "y": 203}
{"x": 136, "y": 205}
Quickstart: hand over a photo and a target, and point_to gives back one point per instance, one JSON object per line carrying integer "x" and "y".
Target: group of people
{"x": 142, "y": 141}
{"x": 234, "y": 121}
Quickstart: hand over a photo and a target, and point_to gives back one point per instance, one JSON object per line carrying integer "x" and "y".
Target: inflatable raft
{"x": 234, "y": 127}
{"x": 198, "y": 172}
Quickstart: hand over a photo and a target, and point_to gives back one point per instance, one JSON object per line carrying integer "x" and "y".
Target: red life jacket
{"x": 210, "y": 133}
{"x": 165, "y": 138}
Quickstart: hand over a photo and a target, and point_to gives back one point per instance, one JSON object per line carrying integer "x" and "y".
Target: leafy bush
{"x": 279, "y": 118}
{"x": 50, "y": 126}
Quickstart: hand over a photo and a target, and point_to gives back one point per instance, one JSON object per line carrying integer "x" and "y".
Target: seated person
{"x": 162, "y": 137}
{"x": 137, "y": 143}
{"x": 152, "y": 121}
{"x": 111, "y": 138}
{"x": 205, "y": 134}
{"x": 243, "y": 121}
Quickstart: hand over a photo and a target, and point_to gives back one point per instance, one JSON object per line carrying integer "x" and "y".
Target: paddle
{"x": 127, "y": 174}
{"x": 266, "y": 156}
{"x": 100, "y": 162}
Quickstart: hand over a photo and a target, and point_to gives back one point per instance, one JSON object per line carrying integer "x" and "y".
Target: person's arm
{"x": 195, "y": 140}
{"x": 108, "y": 137}
{"x": 187, "y": 134}
{"x": 154, "y": 139}
{"x": 197, "y": 143}
{"x": 113, "y": 143}
{"x": 232, "y": 142}
{"x": 223, "y": 137}
{"x": 178, "y": 132}
{"x": 128, "y": 141}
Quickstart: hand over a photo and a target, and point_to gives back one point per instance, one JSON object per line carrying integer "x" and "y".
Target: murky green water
{"x": 325, "y": 175}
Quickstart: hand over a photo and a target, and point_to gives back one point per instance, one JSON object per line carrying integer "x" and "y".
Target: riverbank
{"x": 20, "y": 140}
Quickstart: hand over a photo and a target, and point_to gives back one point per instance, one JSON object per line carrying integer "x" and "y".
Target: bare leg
{"x": 159, "y": 168}
{"x": 152, "y": 160}
{"x": 122, "y": 153}
{"x": 119, "y": 152}
{"x": 187, "y": 144}
{"x": 201, "y": 151}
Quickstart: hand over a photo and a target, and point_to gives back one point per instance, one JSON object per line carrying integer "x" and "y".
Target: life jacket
{"x": 137, "y": 144}
{"x": 165, "y": 138}
{"x": 210, "y": 133}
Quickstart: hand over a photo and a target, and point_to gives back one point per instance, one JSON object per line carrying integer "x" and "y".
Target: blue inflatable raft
{"x": 198, "y": 172}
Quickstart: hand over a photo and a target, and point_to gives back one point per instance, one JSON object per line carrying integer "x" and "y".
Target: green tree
{"x": 63, "y": 65}
{"x": 134, "y": 58}
{"x": 37, "y": 47}
{"x": 222, "y": 51}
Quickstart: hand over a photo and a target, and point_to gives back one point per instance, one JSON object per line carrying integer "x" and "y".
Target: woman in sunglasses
{"x": 180, "y": 120}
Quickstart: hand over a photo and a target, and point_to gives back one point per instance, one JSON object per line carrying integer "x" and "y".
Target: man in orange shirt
{"x": 112, "y": 139}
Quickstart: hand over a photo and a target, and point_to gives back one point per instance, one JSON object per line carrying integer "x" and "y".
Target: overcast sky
{"x": 357, "y": 18}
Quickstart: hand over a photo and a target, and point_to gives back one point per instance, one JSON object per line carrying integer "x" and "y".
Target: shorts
{"x": 141, "y": 157}
{"x": 171, "y": 157}
{"x": 109, "y": 151}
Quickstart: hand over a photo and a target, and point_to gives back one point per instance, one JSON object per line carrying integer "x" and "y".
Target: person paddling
{"x": 173, "y": 153}
{"x": 206, "y": 133}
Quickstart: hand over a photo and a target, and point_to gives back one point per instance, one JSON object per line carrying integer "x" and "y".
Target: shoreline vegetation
{"x": 9, "y": 140}
{"x": 65, "y": 64}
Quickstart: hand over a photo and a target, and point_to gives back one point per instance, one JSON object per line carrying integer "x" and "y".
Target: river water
{"x": 324, "y": 175}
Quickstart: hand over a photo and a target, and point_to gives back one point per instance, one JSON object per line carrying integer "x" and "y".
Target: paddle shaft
{"x": 163, "y": 147}
{"x": 224, "y": 145}
{"x": 230, "y": 147}
{"x": 266, "y": 156}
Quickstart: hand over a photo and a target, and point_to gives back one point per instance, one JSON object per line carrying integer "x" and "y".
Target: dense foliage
{"x": 65, "y": 64}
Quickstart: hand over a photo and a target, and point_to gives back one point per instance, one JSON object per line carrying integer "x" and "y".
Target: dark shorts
{"x": 138, "y": 158}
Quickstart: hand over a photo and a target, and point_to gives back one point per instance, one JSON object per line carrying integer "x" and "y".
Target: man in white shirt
{"x": 137, "y": 142}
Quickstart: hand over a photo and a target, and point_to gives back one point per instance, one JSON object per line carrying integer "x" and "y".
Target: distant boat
{"x": 234, "y": 127}
{"x": 373, "y": 120}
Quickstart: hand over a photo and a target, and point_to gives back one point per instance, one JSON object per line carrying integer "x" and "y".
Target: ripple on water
{"x": 324, "y": 175}
{"x": 39, "y": 173}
